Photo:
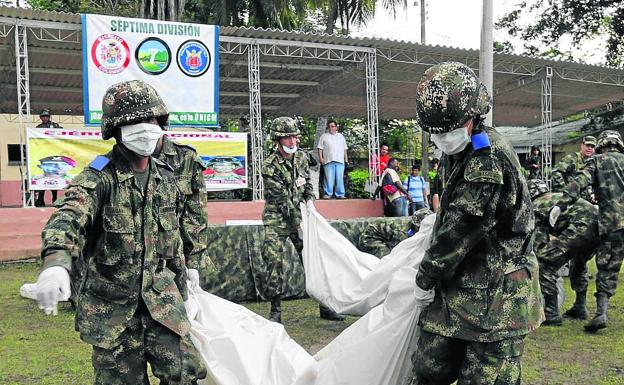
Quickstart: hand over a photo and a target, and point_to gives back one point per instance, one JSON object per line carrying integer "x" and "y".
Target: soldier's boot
{"x": 600, "y": 319}
{"x": 329, "y": 314}
{"x": 276, "y": 310}
{"x": 551, "y": 311}
{"x": 578, "y": 310}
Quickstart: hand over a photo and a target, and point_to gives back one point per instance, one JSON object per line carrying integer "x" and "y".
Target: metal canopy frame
{"x": 528, "y": 70}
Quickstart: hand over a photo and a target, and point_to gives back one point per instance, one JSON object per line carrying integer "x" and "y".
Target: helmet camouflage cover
{"x": 283, "y": 127}
{"x": 129, "y": 103}
{"x": 536, "y": 187}
{"x": 610, "y": 138}
{"x": 449, "y": 94}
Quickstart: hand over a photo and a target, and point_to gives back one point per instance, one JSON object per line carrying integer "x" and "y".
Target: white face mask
{"x": 141, "y": 138}
{"x": 289, "y": 150}
{"x": 452, "y": 142}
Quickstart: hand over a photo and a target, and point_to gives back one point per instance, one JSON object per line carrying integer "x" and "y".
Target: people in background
{"x": 332, "y": 151}
{"x": 416, "y": 186}
{"x": 46, "y": 122}
{"x": 396, "y": 196}
{"x": 534, "y": 163}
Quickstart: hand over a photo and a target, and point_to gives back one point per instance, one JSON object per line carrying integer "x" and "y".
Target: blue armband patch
{"x": 480, "y": 141}
{"x": 99, "y": 163}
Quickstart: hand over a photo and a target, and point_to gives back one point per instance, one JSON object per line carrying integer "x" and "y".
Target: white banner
{"x": 180, "y": 60}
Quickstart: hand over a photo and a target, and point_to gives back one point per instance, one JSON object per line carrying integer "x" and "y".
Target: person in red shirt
{"x": 382, "y": 159}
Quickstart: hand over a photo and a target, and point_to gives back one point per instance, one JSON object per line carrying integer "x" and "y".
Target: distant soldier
{"x": 480, "y": 262}
{"x": 573, "y": 238}
{"x": 286, "y": 178}
{"x": 118, "y": 225}
{"x": 46, "y": 120}
{"x": 567, "y": 167}
{"x": 605, "y": 173}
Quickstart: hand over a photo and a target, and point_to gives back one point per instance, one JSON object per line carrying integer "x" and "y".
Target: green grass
{"x": 38, "y": 349}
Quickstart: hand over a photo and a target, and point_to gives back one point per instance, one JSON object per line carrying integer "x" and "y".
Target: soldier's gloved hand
{"x": 310, "y": 205}
{"x": 193, "y": 277}
{"x": 53, "y": 285}
{"x": 554, "y": 215}
{"x": 424, "y": 296}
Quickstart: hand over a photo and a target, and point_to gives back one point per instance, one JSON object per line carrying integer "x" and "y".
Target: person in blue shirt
{"x": 416, "y": 185}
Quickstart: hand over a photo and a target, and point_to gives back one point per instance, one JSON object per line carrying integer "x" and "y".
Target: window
{"x": 14, "y": 154}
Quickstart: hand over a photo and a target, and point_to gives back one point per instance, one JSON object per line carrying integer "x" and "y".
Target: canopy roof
{"x": 307, "y": 74}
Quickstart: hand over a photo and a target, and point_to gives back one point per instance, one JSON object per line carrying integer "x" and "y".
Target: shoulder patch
{"x": 483, "y": 169}
{"x": 99, "y": 162}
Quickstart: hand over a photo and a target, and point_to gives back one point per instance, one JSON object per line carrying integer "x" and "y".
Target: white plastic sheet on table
{"x": 243, "y": 348}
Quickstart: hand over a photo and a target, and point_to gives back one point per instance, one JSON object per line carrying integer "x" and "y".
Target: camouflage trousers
{"x": 174, "y": 359}
{"x": 282, "y": 275}
{"x": 440, "y": 360}
{"x": 575, "y": 244}
{"x": 609, "y": 256}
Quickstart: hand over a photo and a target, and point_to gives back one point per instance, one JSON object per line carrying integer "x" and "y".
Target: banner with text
{"x": 55, "y": 156}
{"x": 180, "y": 60}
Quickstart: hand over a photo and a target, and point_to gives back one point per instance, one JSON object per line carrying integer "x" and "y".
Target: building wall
{"x": 10, "y": 192}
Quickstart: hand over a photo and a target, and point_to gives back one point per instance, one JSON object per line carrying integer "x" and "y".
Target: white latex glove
{"x": 29, "y": 290}
{"x": 193, "y": 277}
{"x": 53, "y": 285}
{"x": 424, "y": 296}
{"x": 310, "y": 205}
{"x": 554, "y": 215}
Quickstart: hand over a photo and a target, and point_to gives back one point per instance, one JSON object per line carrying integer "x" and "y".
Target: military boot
{"x": 578, "y": 310}
{"x": 276, "y": 310}
{"x": 600, "y": 319}
{"x": 329, "y": 314}
{"x": 551, "y": 311}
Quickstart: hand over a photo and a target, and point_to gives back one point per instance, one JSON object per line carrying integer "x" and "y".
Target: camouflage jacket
{"x": 605, "y": 173}
{"x": 579, "y": 221}
{"x": 565, "y": 169}
{"x": 127, "y": 243}
{"x": 286, "y": 184}
{"x": 188, "y": 170}
{"x": 481, "y": 261}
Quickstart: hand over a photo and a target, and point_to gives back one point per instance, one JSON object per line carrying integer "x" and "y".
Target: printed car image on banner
{"x": 180, "y": 60}
{"x": 55, "y": 156}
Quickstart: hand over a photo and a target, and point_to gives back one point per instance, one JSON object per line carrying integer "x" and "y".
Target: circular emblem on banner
{"x": 193, "y": 58}
{"x": 153, "y": 56}
{"x": 110, "y": 54}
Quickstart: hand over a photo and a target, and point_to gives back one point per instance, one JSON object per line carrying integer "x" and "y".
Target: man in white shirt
{"x": 332, "y": 150}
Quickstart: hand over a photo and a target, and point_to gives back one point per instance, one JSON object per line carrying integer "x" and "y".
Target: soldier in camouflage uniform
{"x": 118, "y": 222}
{"x": 604, "y": 172}
{"x": 188, "y": 169}
{"x": 286, "y": 178}
{"x": 571, "y": 164}
{"x": 480, "y": 262}
{"x": 573, "y": 238}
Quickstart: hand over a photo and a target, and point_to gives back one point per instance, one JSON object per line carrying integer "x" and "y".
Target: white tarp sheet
{"x": 243, "y": 348}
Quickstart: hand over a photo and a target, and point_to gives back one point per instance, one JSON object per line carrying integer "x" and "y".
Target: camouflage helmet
{"x": 283, "y": 127}
{"x": 449, "y": 94}
{"x": 610, "y": 138}
{"x": 129, "y": 103}
{"x": 537, "y": 187}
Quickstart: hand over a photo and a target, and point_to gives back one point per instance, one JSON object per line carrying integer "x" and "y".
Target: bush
{"x": 358, "y": 178}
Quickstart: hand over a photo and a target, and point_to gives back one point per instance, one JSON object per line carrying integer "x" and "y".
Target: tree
{"x": 170, "y": 10}
{"x": 127, "y": 8}
{"x": 580, "y": 20}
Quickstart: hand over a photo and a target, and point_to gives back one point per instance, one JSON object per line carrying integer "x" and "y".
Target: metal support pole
{"x": 373, "y": 118}
{"x": 546, "y": 125}
{"x": 255, "y": 120}
{"x": 424, "y": 144}
{"x": 486, "y": 53}
{"x": 23, "y": 101}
